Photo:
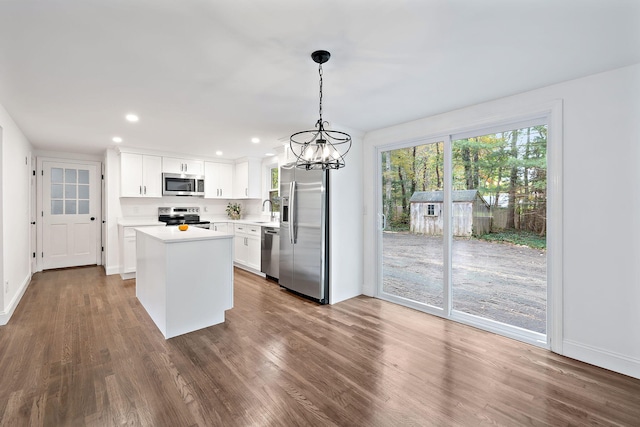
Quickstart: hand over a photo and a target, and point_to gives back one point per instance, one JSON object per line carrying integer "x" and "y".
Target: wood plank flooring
{"x": 80, "y": 350}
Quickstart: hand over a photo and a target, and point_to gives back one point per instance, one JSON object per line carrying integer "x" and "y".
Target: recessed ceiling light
{"x": 255, "y": 140}
{"x": 218, "y": 153}
{"x": 132, "y": 117}
{"x": 269, "y": 154}
{"x": 117, "y": 139}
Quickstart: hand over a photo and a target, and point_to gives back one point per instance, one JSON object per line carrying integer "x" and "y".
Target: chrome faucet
{"x": 272, "y": 217}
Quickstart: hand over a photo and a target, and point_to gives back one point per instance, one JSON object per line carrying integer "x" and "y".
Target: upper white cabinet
{"x": 173, "y": 165}
{"x": 140, "y": 175}
{"x": 218, "y": 180}
{"x": 248, "y": 179}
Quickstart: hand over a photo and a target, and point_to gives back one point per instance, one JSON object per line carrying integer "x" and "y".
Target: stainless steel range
{"x": 177, "y": 216}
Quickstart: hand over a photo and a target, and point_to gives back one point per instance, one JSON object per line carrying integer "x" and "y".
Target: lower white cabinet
{"x": 127, "y": 251}
{"x": 221, "y": 226}
{"x": 247, "y": 245}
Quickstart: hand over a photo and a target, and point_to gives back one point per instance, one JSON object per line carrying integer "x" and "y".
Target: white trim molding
{"x": 602, "y": 358}
{"x": 5, "y": 315}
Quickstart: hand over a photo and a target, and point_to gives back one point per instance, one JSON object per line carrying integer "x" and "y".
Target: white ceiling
{"x": 207, "y": 75}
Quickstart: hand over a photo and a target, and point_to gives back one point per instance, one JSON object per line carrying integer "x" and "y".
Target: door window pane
{"x": 83, "y": 176}
{"x": 56, "y": 207}
{"x": 70, "y": 176}
{"x": 70, "y": 191}
{"x": 56, "y": 175}
{"x": 56, "y": 191}
{"x": 83, "y": 191}
{"x": 83, "y": 207}
{"x": 69, "y": 207}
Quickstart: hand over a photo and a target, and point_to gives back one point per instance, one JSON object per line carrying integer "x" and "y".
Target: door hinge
{"x": 102, "y": 176}
{"x": 42, "y": 254}
{"x": 41, "y": 213}
{"x": 34, "y": 254}
{"x": 34, "y": 172}
{"x": 42, "y": 172}
{"x": 102, "y": 248}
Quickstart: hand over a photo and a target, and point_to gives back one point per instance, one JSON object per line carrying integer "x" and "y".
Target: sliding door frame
{"x": 551, "y": 113}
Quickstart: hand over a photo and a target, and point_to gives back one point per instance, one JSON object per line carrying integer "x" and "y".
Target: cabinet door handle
{"x": 145, "y": 189}
{"x": 246, "y": 191}
{"x": 141, "y": 189}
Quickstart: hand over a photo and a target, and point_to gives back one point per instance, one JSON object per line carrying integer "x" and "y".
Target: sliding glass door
{"x": 463, "y": 230}
{"x": 499, "y": 264}
{"x": 412, "y": 238}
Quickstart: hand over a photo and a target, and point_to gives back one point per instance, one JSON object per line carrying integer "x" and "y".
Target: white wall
{"x": 15, "y": 217}
{"x": 601, "y": 304}
{"x": 346, "y": 232}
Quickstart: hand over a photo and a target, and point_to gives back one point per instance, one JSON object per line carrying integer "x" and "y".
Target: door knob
{"x": 93, "y": 218}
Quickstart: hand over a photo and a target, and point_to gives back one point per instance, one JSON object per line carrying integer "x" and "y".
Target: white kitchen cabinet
{"x": 247, "y": 180}
{"x": 218, "y": 180}
{"x": 221, "y": 226}
{"x": 127, "y": 237}
{"x": 247, "y": 246}
{"x": 140, "y": 175}
{"x": 175, "y": 165}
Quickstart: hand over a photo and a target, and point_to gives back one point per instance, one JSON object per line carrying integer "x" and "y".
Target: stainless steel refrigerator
{"x": 304, "y": 219}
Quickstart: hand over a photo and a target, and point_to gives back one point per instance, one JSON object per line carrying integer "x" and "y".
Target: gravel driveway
{"x": 498, "y": 281}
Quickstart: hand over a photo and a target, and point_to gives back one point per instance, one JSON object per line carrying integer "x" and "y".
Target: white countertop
{"x": 174, "y": 235}
{"x": 139, "y": 221}
{"x": 258, "y": 223}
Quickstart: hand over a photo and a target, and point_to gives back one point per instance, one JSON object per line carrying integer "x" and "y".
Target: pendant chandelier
{"x": 320, "y": 148}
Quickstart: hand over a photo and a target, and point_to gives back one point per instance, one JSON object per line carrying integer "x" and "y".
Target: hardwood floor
{"x": 80, "y": 350}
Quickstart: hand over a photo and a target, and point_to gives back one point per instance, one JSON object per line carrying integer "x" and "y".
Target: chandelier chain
{"x": 320, "y": 110}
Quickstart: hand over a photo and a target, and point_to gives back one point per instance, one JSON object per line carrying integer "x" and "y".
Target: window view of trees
{"x": 405, "y": 171}
{"x": 508, "y": 169}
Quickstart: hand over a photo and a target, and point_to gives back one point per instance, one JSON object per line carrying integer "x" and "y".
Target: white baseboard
{"x": 112, "y": 270}
{"x": 603, "y": 358}
{"x": 6, "y": 315}
{"x": 249, "y": 269}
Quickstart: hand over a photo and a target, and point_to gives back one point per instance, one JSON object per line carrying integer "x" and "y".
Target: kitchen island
{"x": 184, "y": 279}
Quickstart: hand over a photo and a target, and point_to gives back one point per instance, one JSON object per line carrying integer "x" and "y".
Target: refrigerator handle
{"x": 292, "y": 210}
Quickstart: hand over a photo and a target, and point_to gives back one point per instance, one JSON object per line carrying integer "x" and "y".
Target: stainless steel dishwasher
{"x": 271, "y": 252}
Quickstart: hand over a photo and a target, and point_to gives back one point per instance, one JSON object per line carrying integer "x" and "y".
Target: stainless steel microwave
{"x": 177, "y": 184}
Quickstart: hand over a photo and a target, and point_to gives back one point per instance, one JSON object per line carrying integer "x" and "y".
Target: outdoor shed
{"x": 471, "y": 213}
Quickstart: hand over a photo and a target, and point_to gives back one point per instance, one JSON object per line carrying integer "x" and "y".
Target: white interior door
{"x": 70, "y": 206}
{"x": 33, "y": 216}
